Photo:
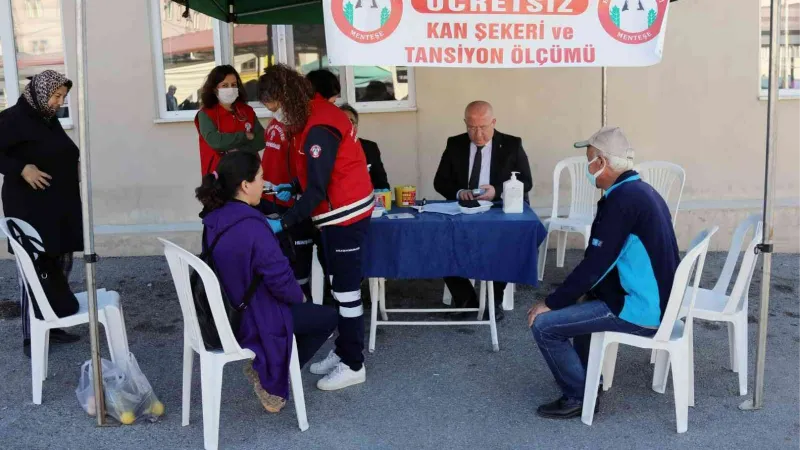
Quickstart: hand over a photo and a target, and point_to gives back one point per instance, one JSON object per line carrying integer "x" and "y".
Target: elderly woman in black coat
{"x": 41, "y": 182}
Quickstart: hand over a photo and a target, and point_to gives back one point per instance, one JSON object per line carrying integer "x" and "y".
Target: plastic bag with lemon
{"x": 128, "y": 395}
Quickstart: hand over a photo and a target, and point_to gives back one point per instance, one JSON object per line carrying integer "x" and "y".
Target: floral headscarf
{"x": 38, "y": 92}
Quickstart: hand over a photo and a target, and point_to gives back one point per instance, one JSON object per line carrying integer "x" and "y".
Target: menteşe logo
{"x": 367, "y": 21}
{"x": 632, "y": 21}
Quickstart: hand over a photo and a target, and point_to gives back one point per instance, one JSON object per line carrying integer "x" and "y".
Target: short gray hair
{"x": 617, "y": 163}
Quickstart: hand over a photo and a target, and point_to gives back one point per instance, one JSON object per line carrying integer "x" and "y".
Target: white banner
{"x": 495, "y": 33}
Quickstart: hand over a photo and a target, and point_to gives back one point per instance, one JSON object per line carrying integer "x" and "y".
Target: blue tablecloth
{"x": 488, "y": 246}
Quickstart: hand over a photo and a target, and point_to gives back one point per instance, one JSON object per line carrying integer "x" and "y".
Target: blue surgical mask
{"x": 593, "y": 176}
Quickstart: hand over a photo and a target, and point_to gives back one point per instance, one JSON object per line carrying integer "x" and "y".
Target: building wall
{"x": 698, "y": 108}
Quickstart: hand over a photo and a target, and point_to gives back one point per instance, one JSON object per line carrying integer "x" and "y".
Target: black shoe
{"x": 564, "y": 408}
{"x": 59, "y": 336}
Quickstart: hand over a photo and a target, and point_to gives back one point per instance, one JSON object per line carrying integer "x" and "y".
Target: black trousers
{"x": 313, "y": 324}
{"x": 465, "y": 295}
{"x": 343, "y": 247}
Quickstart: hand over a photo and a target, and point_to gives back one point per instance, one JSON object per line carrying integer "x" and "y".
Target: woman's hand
{"x": 35, "y": 177}
{"x": 250, "y": 136}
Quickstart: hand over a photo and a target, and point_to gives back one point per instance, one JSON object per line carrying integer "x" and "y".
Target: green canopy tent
{"x": 293, "y": 12}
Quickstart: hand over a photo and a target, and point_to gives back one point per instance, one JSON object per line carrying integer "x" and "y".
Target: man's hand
{"x": 465, "y": 194}
{"x": 35, "y": 177}
{"x": 537, "y": 308}
{"x": 250, "y": 136}
{"x": 488, "y": 194}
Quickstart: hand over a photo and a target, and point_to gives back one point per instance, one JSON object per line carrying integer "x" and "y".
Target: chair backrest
{"x": 180, "y": 261}
{"x": 693, "y": 261}
{"x": 26, "y": 268}
{"x": 749, "y": 257}
{"x": 584, "y": 195}
{"x": 665, "y": 177}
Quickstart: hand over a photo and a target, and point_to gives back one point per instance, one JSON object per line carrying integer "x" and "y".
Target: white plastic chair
{"x": 212, "y": 362}
{"x": 717, "y": 306}
{"x": 673, "y": 340}
{"x": 581, "y": 210}
{"x": 109, "y": 313}
{"x": 664, "y": 177}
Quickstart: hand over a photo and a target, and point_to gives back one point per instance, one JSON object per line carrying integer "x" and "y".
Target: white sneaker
{"x": 341, "y": 377}
{"x": 325, "y": 366}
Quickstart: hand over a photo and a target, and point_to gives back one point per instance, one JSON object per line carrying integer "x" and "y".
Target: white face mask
{"x": 593, "y": 176}
{"x": 227, "y": 96}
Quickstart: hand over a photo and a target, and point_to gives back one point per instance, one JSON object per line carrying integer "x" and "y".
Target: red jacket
{"x": 226, "y": 122}
{"x": 349, "y": 196}
{"x": 275, "y": 161}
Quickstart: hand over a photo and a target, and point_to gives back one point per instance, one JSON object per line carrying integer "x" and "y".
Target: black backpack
{"x": 208, "y": 328}
{"x": 51, "y": 276}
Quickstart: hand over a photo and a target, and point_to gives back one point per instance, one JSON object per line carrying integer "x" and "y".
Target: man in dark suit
{"x": 480, "y": 158}
{"x": 376, "y": 171}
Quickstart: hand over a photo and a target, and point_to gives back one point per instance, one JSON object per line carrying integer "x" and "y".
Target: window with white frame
{"x": 789, "y": 49}
{"x": 31, "y": 41}
{"x": 186, "y": 49}
{"x": 368, "y": 88}
{"x": 187, "y": 45}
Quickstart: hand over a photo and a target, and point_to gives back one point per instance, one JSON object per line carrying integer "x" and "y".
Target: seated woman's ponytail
{"x": 221, "y": 186}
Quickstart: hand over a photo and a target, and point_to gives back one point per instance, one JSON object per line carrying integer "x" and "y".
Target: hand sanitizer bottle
{"x": 513, "y": 195}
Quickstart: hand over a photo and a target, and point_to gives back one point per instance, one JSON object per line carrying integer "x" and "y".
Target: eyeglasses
{"x": 483, "y": 128}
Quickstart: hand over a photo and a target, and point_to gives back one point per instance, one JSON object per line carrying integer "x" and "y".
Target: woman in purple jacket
{"x": 247, "y": 249}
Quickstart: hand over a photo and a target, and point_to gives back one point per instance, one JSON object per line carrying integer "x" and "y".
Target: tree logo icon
{"x": 367, "y": 21}
{"x": 632, "y": 21}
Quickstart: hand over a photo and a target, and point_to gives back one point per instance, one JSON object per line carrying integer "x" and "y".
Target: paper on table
{"x": 449, "y": 208}
{"x": 400, "y": 216}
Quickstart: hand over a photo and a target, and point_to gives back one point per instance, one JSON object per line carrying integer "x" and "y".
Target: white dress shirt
{"x": 486, "y": 162}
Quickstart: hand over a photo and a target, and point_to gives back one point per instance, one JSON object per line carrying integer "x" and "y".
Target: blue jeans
{"x": 552, "y": 331}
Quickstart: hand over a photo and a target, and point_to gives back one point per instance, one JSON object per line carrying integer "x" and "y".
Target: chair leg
{"x": 508, "y": 297}
{"x": 734, "y": 364}
{"x": 661, "y": 371}
{"x": 297, "y": 388}
{"x": 382, "y": 298}
{"x": 561, "y": 250}
{"x": 481, "y": 300}
{"x": 46, "y": 358}
{"x": 543, "y": 255}
{"x": 741, "y": 352}
{"x": 211, "y": 382}
{"x": 690, "y": 361}
{"x": 596, "y": 355}
{"x": 374, "y": 296}
{"x": 653, "y": 356}
{"x": 492, "y": 321}
{"x": 609, "y": 364}
{"x": 38, "y": 356}
{"x": 116, "y": 335}
{"x": 680, "y": 384}
{"x": 188, "y": 361}
{"x": 447, "y": 297}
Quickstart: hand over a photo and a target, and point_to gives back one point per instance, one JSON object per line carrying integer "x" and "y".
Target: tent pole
{"x": 89, "y": 257}
{"x": 769, "y": 181}
{"x": 232, "y": 47}
{"x": 604, "y": 96}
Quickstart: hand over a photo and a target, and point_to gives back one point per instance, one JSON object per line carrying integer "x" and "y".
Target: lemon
{"x": 127, "y": 418}
{"x": 157, "y": 408}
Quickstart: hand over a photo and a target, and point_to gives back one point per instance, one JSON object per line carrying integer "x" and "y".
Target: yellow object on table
{"x": 405, "y": 195}
{"x": 383, "y": 200}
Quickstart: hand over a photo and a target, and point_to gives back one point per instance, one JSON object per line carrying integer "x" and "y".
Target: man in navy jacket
{"x": 624, "y": 280}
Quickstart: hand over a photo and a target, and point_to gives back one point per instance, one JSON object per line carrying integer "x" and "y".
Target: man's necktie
{"x": 475, "y": 174}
